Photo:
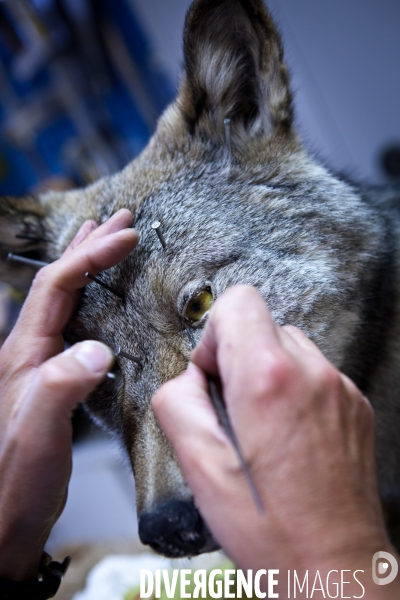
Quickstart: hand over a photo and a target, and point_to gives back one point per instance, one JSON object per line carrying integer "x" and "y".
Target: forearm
{"x": 19, "y": 562}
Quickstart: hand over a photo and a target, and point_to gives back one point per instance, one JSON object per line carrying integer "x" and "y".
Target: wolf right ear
{"x": 234, "y": 69}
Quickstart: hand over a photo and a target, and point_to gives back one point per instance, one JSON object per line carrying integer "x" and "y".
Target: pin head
{"x": 157, "y": 228}
{"x": 228, "y": 139}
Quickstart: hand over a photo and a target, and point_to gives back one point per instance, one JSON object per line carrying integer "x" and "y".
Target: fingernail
{"x": 116, "y": 215}
{"x": 191, "y": 367}
{"x": 94, "y": 356}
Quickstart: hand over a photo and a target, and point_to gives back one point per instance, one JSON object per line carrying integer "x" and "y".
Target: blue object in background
{"x": 16, "y": 172}
{"x": 80, "y": 91}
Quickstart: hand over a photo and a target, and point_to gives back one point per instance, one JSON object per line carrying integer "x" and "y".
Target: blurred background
{"x": 82, "y": 83}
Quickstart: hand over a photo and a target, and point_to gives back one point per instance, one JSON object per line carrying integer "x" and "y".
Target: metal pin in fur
{"x": 39, "y": 264}
{"x": 119, "y": 352}
{"x": 113, "y": 290}
{"x": 223, "y": 417}
{"x": 228, "y": 137}
{"x": 26, "y": 261}
{"x": 156, "y": 226}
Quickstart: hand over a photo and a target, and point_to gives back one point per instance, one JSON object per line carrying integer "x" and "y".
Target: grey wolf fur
{"x": 324, "y": 253}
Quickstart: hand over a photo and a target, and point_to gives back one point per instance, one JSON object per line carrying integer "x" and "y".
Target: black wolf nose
{"x": 175, "y": 528}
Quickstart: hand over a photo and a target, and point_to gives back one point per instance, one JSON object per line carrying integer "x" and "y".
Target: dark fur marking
{"x": 369, "y": 347}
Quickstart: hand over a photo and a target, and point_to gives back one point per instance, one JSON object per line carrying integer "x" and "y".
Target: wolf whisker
{"x": 31, "y": 238}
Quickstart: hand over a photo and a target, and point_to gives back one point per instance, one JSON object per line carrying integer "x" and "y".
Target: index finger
{"x": 239, "y": 326}
{"x": 38, "y": 333}
{"x": 244, "y": 346}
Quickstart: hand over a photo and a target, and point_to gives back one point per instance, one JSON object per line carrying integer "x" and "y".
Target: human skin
{"x": 40, "y": 385}
{"x": 306, "y": 430}
{"x": 308, "y": 435}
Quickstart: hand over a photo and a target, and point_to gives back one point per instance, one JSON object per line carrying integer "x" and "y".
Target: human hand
{"x": 40, "y": 385}
{"x": 307, "y": 433}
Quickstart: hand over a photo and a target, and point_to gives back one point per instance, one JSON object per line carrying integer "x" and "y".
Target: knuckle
{"x": 277, "y": 373}
{"x": 367, "y": 406}
{"x": 40, "y": 277}
{"x": 370, "y": 419}
{"x": 273, "y": 377}
{"x": 366, "y": 411}
{"x": 327, "y": 378}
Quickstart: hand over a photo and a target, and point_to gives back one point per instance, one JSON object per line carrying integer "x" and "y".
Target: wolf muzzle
{"x": 176, "y": 528}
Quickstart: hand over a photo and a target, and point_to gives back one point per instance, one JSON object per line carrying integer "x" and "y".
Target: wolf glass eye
{"x": 199, "y": 305}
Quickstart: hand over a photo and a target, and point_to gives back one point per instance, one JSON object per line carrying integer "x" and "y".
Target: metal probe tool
{"x": 223, "y": 417}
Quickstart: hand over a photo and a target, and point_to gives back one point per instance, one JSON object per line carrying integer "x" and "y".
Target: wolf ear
{"x": 21, "y": 232}
{"x": 39, "y": 227}
{"x": 234, "y": 69}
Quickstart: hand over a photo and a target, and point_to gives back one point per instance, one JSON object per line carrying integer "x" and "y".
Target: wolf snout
{"x": 176, "y": 528}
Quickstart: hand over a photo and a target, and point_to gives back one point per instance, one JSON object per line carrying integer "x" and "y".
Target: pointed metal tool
{"x": 26, "y": 261}
{"x": 119, "y": 352}
{"x": 228, "y": 137}
{"x": 223, "y": 417}
{"x": 113, "y": 290}
{"x": 157, "y": 228}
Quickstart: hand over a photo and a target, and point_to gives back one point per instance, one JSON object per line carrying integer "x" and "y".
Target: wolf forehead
{"x": 219, "y": 227}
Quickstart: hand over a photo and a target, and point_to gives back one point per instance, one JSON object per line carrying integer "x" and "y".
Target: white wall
{"x": 163, "y": 21}
{"x": 345, "y": 60}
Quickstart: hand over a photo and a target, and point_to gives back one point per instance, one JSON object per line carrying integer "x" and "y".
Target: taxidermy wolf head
{"x": 258, "y": 210}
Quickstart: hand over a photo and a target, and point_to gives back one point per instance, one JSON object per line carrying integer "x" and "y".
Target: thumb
{"x": 183, "y": 408}
{"x": 206, "y": 457}
{"x": 184, "y": 411}
{"x": 36, "y": 452}
{"x": 65, "y": 380}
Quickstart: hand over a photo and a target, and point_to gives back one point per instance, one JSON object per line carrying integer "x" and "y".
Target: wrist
{"x": 19, "y": 556}
{"x": 19, "y": 566}
{"x": 42, "y": 587}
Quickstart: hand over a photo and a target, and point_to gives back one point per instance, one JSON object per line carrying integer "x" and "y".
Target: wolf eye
{"x": 199, "y": 305}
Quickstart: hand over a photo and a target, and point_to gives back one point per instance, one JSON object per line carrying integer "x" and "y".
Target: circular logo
{"x": 384, "y": 568}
